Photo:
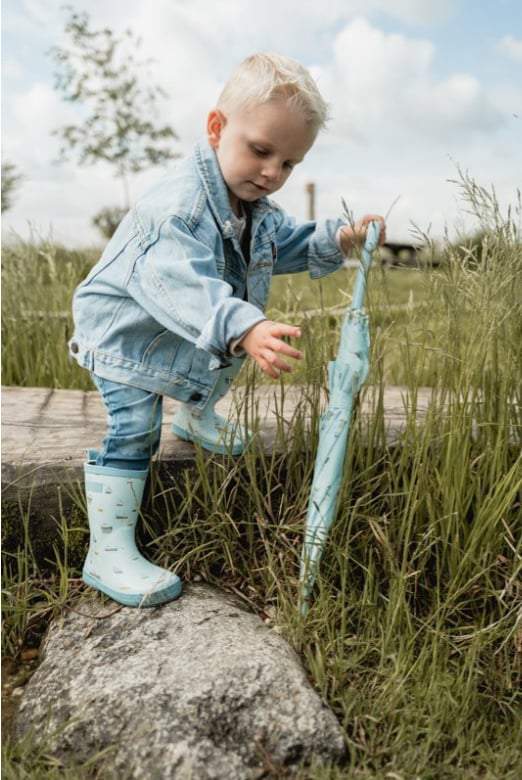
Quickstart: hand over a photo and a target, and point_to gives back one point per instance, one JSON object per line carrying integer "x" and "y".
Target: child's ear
{"x": 215, "y": 123}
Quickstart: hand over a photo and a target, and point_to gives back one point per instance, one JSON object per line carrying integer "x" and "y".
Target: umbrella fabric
{"x": 346, "y": 375}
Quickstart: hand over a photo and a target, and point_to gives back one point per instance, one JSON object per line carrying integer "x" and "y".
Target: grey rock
{"x": 199, "y": 688}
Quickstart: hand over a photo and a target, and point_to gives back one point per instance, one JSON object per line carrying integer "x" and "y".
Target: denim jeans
{"x": 134, "y": 425}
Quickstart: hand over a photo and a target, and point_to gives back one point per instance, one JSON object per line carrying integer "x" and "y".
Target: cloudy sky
{"x": 416, "y": 87}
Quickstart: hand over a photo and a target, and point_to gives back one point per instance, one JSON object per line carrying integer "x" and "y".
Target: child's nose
{"x": 271, "y": 171}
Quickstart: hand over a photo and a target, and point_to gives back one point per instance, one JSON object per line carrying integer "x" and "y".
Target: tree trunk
{"x": 126, "y": 188}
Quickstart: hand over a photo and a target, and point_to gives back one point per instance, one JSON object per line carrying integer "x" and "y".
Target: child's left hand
{"x": 354, "y": 237}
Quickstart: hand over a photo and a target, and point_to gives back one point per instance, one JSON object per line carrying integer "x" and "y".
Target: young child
{"x": 176, "y": 302}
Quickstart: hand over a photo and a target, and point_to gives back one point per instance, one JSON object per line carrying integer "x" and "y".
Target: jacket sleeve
{"x": 308, "y": 246}
{"x": 177, "y": 282}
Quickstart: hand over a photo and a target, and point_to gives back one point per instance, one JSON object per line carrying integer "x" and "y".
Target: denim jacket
{"x": 173, "y": 290}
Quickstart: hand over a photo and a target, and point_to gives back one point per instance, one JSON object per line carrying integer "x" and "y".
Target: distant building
{"x": 394, "y": 253}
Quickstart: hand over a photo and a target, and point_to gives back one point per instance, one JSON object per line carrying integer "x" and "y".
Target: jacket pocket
{"x": 163, "y": 353}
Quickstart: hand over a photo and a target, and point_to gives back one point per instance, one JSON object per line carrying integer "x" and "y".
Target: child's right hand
{"x": 263, "y": 343}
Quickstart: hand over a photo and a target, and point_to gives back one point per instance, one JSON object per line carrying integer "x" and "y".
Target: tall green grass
{"x": 414, "y": 637}
{"x": 38, "y": 279}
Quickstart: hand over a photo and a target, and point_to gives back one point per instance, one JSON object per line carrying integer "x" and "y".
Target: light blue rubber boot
{"x": 114, "y": 564}
{"x": 209, "y": 429}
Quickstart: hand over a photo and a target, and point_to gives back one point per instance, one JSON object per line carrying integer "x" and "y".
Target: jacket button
{"x": 195, "y": 397}
{"x": 74, "y": 347}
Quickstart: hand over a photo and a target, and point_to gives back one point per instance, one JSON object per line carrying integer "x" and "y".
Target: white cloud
{"x": 395, "y": 122}
{"x": 28, "y": 125}
{"x": 382, "y": 85}
{"x": 511, "y": 47}
{"x": 420, "y": 11}
{"x": 11, "y": 69}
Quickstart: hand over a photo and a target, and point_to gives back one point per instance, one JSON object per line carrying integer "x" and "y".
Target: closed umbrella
{"x": 346, "y": 375}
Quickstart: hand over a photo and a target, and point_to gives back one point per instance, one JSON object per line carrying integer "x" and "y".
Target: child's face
{"x": 257, "y": 147}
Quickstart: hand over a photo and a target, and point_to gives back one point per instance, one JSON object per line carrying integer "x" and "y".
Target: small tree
{"x": 99, "y": 70}
{"x": 108, "y": 219}
{"x": 10, "y": 181}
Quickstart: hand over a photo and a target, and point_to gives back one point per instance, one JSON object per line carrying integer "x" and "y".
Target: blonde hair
{"x": 266, "y": 77}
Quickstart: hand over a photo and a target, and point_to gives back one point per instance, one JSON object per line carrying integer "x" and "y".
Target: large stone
{"x": 199, "y": 688}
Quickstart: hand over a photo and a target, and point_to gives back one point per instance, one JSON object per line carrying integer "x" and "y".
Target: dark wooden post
{"x": 310, "y": 190}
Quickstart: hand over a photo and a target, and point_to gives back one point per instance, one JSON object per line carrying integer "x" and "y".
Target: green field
{"x": 406, "y": 308}
{"x": 414, "y": 638}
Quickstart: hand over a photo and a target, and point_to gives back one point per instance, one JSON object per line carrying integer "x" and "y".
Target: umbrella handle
{"x": 372, "y": 240}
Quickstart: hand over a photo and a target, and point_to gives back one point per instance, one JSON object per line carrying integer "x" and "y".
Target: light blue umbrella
{"x": 346, "y": 375}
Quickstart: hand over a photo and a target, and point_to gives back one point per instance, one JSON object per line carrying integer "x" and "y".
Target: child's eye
{"x": 260, "y": 152}
{"x": 289, "y": 165}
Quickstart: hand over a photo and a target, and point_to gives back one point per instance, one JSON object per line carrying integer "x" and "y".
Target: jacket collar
{"x": 212, "y": 179}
